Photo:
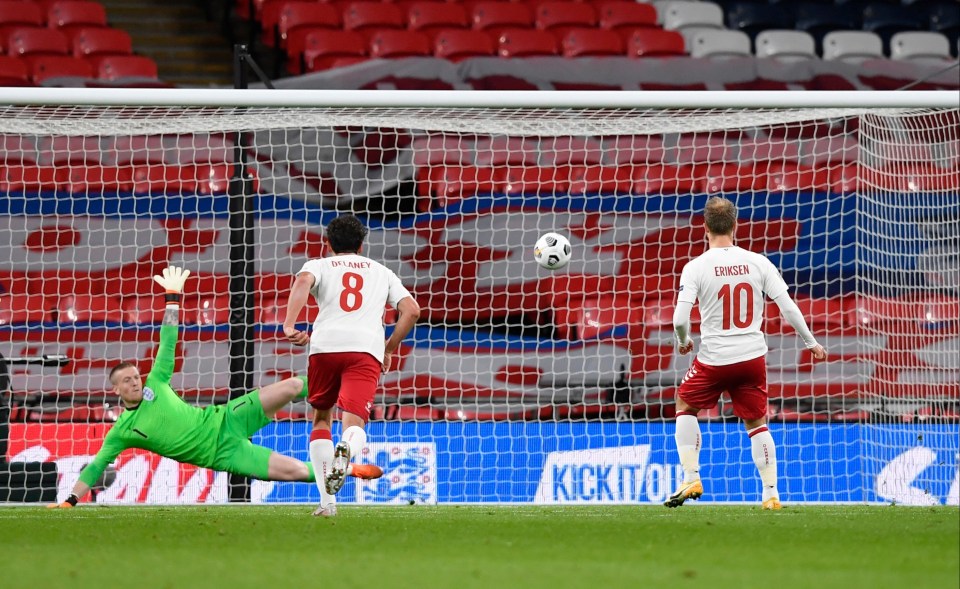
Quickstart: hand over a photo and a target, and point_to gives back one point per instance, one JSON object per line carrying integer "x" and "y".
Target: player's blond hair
{"x": 120, "y": 367}
{"x": 720, "y": 216}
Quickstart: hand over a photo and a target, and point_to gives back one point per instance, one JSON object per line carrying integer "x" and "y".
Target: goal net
{"x": 519, "y": 384}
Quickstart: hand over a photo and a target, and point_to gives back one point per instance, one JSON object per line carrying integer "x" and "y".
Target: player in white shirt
{"x": 729, "y": 283}
{"x": 347, "y": 347}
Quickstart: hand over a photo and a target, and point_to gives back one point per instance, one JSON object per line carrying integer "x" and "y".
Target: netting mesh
{"x": 519, "y": 384}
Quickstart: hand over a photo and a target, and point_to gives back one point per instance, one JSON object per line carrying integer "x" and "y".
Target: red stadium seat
{"x": 662, "y": 179}
{"x": 561, "y": 17}
{"x": 207, "y": 310}
{"x": 127, "y": 150}
{"x": 456, "y": 45}
{"x": 394, "y": 44}
{"x": 792, "y": 177}
{"x": 526, "y": 43}
{"x": 14, "y": 15}
{"x": 626, "y": 17}
{"x": 634, "y": 149}
{"x": 143, "y": 309}
{"x": 700, "y": 148}
{"x": 24, "y": 42}
{"x": 21, "y": 309}
{"x": 500, "y": 150}
{"x": 75, "y": 13}
{"x": 199, "y": 148}
{"x": 49, "y": 67}
{"x": 77, "y": 308}
{"x": 823, "y": 316}
{"x": 369, "y": 16}
{"x": 67, "y": 150}
{"x": 117, "y": 67}
{"x": 96, "y": 179}
{"x": 591, "y": 43}
{"x": 32, "y": 177}
{"x": 595, "y": 316}
{"x": 99, "y": 42}
{"x": 17, "y": 149}
{"x": 188, "y": 179}
{"x": 449, "y": 183}
{"x": 600, "y": 179}
{"x": 560, "y": 151}
{"x": 14, "y": 71}
{"x": 297, "y": 19}
{"x": 326, "y": 49}
{"x": 533, "y": 180}
{"x": 655, "y": 43}
{"x": 432, "y": 17}
{"x": 497, "y": 16}
{"x": 442, "y": 149}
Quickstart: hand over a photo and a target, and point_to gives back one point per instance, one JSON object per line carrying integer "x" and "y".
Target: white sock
{"x": 356, "y": 438}
{"x": 321, "y": 456}
{"x": 765, "y": 457}
{"x": 688, "y": 446}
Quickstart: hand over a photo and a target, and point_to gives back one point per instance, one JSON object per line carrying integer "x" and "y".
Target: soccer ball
{"x": 552, "y": 251}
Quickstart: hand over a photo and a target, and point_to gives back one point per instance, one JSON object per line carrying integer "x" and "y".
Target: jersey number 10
{"x": 351, "y": 298}
{"x": 733, "y": 302}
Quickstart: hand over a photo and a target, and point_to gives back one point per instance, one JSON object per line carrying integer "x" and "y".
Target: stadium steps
{"x": 188, "y": 48}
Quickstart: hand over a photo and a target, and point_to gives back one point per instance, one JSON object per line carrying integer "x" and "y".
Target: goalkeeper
{"x": 158, "y": 420}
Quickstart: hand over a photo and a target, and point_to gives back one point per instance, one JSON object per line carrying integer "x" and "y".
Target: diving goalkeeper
{"x": 216, "y": 437}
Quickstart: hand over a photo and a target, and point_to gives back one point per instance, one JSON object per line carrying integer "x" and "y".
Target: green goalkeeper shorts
{"x": 243, "y": 417}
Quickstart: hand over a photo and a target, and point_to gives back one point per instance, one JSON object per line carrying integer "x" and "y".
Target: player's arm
{"x": 791, "y": 312}
{"x": 686, "y": 297}
{"x": 112, "y": 447}
{"x": 172, "y": 281}
{"x": 409, "y": 311}
{"x": 299, "y": 293}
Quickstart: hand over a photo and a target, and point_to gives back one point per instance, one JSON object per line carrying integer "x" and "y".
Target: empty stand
{"x": 886, "y": 20}
{"x": 77, "y": 308}
{"x": 820, "y": 19}
{"x": 14, "y": 71}
{"x": 20, "y": 309}
{"x": 47, "y": 68}
{"x": 656, "y": 43}
{"x": 786, "y": 46}
{"x": 432, "y": 17}
{"x": 852, "y": 46}
{"x": 680, "y": 16}
{"x": 394, "y": 44}
{"x": 74, "y": 13}
{"x": 19, "y": 14}
{"x": 296, "y": 19}
{"x": 97, "y": 42}
{"x": 720, "y": 44}
{"x": 526, "y": 43}
{"x": 326, "y": 49}
{"x": 369, "y": 16}
{"x": 28, "y": 41}
{"x": 626, "y": 17}
{"x": 560, "y": 17}
{"x": 920, "y": 47}
{"x": 496, "y": 16}
{"x": 751, "y": 18}
{"x": 456, "y": 45}
{"x": 591, "y": 43}
{"x": 120, "y": 67}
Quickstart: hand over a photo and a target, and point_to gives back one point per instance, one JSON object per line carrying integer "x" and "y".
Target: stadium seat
{"x": 683, "y": 15}
{"x": 656, "y": 43}
{"x": 78, "y": 308}
{"x": 187, "y": 179}
{"x": 920, "y": 47}
{"x": 662, "y": 179}
{"x": 118, "y": 67}
{"x": 578, "y": 151}
{"x": 526, "y": 43}
{"x": 297, "y": 17}
{"x": 561, "y": 17}
{"x": 68, "y": 150}
{"x": 591, "y": 43}
{"x": 32, "y": 177}
{"x": 497, "y": 16}
{"x": 126, "y": 150}
{"x": 327, "y": 49}
{"x": 441, "y": 149}
{"x": 456, "y": 45}
{"x": 793, "y": 177}
{"x": 634, "y": 149}
{"x": 98, "y": 42}
{"x": 500, "y": 150}
{"x": 886, "y": 20}
{"x": 198, "y": 148}
{"x": 721, "y": 44}
{"x": 786, "y": 46}
{"x": 820, "y": 19}
{"x": 17, "y": 14}
{"x": 48, "y": 68}
{"x": 394, "y": 44}
{"x": 14, "y": 72}
{"x": 74, "y": 13}
{"x": 432, "y": 17}
{"x": 752, "y": 18}
{"x": 700, "y": 148}
{"x": 365, "y": 17}
{"x": 21, "y": 308}
{"x": 596, "y": 179}
{"x": 626, "y": 17}
{"x": 533, "y": 180}
{"x": 852, "y": 46}
{"x": 447, "y": 183}
{"x": 24, "y": 42}
{"x": 17, "y": 149}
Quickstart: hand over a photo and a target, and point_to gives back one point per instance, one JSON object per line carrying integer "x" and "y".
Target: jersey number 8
{"x": 351, "y": 298}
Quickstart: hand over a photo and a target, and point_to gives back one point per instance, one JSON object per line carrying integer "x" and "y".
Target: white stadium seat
{"x": 680, "y": 15}
{"x": 721, "y": 44}
{"x": 787, "y": 46}
{"x": 852, "y": 46}
{"x": 920, "y": 47}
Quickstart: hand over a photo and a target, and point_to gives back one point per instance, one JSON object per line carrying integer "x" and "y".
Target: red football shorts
{"x": 745, "y": 381}
{"x": 346, "y": 379}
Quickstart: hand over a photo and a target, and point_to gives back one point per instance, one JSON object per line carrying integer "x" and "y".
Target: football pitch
{"x": 702, "y": 546}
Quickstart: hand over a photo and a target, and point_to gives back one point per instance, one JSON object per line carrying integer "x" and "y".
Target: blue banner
{"x": 623, "y": 462}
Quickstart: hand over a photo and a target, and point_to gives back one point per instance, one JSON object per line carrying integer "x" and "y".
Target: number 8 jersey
{"x": 352, "y": 292}
{"x": 729, "y": 283}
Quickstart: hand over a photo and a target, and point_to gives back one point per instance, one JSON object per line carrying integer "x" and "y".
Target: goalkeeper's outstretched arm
{"x": 172, "y": 281}
{"x": 112, "y": 447}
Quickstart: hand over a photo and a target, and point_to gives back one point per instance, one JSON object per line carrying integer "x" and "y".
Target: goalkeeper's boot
{"x": 366, "y": 472}
{"x": 326, "y": 511}
{"x": 338, "y": 469}
{"x": 692, "y": 490}
{"x": 772, "y": 504}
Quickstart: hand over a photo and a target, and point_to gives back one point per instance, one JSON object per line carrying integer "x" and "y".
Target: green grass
{"x": 706, "y": 547}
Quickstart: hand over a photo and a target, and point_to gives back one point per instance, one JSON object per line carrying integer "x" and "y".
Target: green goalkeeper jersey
{"x": 162, "y": 423}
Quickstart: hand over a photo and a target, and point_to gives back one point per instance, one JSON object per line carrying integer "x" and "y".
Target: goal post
{"x": 519, "y": 385}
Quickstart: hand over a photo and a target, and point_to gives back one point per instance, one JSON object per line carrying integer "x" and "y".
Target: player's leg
{"x": 359, "y": 381}
{"x": 324, "y": 385}
{"x": 698, "y": 390}
{"x": 278, "y": 395}
{"x": 750, "y": 404}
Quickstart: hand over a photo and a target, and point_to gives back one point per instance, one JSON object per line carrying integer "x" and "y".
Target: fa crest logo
{"x": 148, "y": 394}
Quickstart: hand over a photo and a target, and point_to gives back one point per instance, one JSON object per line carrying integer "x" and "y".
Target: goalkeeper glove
{"x": 172, "y": 281}
{"x": 68, "y": 503}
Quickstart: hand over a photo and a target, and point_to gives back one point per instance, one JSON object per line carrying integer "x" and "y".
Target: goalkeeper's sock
{"x": 303, "y": 392}
{"x": 765, "y": 457}
{"x": 688, "y": 445}
{"x": 321, "y": 457}
{"x": 311, "y": 474}
{"x": 356, "y": 438}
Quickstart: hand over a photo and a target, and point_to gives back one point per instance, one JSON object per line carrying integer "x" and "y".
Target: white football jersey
{"x": 730, "y": 283}
{"x": 352, "y": 292}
